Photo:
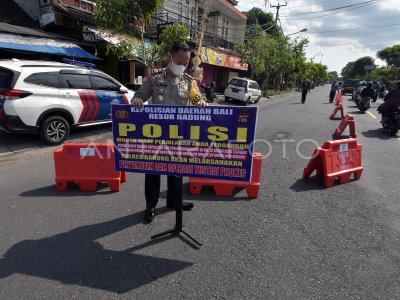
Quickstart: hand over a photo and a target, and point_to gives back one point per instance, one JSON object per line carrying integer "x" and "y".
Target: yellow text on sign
{"x": 215, "y": 133}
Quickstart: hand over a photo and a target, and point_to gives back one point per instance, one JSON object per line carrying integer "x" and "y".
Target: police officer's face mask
{"x": 177, "y": 69}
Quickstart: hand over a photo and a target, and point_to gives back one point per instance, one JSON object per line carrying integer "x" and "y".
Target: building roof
{"x": 229, "y": 5}
{"x": 25, "y": 31}
{"x": 12, "y": 13}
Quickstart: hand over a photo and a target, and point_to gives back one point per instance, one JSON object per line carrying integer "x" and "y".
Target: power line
{"x": 312, "y": 4}
{"x": 346, "y": 44}
{"x": 278, "y": 7}
{"x": 340, "y": 12}
{"x": 337, "y": 8}
{"x": 350, "y": 29}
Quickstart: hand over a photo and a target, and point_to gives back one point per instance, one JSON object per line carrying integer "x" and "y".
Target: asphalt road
{"x": 296, "y": 241}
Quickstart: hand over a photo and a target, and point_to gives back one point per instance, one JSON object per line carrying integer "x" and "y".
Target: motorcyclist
{"x": 392, "y": 101}
{"x": 368, "y": 91}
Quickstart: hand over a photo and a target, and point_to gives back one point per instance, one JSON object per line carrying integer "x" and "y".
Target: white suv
{"x": 243, "y": 89}
{"x": 49, "y": 98}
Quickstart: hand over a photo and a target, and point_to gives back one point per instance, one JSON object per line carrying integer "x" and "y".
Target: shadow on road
{"x": 315, "y": 183}
{"x": 377, "y": 133}
{"x": 72, "y": 191}
{"x": 76, "y": 258}
{"x": 10, "y": 143}
{"x": 207, "y": 194}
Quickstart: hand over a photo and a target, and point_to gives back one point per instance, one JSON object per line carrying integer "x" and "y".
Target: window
{"x": 6, "y": 77}
{"x": 76, "y": 81}
{"x": 238, "y": 82}
{"x": 254, "y": 85}
{"x": 104, "y": 84}
{"x": 48, "y": 79}
{"x": 226, "y": 29}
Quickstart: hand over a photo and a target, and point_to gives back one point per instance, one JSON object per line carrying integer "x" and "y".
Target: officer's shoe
{"x": 185, "y": 205}
{"x": 149, "y": 214}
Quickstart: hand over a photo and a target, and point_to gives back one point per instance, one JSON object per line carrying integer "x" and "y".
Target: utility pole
{"x": 278, "y": 7}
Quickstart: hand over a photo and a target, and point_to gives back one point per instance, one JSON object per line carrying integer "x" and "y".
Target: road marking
{"x": 372, "y": 115}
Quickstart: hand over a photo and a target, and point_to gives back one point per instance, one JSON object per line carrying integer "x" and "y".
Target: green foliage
{"x": 391, "y": 55}
{"x": 121, "y": 16}
{"x": 355, "y": 69}
{"x": 384, "y": 74}
{"x": 127, "y": 17}
{"x": 276, "y": 62}
{"x": 333, "y": 75}
{"x": 347, "y": 71}
{"x": 257, "y": 17}
{"x": 171, "y": 34}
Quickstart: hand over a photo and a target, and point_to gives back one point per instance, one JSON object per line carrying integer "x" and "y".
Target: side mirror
{"x": 123, "y": 89}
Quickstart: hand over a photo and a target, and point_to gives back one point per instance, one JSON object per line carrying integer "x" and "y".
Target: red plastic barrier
{"x": 88, "y": 165}
{"x": 348, "y": 120}
{"x": 336, "y": 160}
{"x": 226, "y": 188}
{"x": 337, "y": 108}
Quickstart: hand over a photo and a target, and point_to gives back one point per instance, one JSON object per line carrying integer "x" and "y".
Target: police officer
{"x": 169, "y": 87}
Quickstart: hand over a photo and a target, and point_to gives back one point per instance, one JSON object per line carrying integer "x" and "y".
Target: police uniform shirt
{"x": 169, "y": 89}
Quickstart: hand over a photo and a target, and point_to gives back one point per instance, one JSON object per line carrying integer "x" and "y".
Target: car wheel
{"x": 54, "y": 130}
{"x": 227, "y": 99}
{"x": 258, "y": 99}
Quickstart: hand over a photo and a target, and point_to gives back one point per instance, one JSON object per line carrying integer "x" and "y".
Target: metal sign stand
{"x": 178, "y": 225}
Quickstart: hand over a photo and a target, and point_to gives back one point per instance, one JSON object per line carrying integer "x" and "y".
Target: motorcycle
{"x": 383, "y": 93}
{"x": 363, "y": 103}
{"x": 391, "y": 122}
{"x": 210, "y": 92}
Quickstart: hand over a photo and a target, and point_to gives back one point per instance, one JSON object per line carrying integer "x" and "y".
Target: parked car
{"x": 349, "y": 85}
{"x": 243, "y": 89}
{"x": 48, "y": 98}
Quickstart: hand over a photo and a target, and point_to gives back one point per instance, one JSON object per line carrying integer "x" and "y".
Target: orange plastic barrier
{"x": 88, "y": 165}
{"x": 226, "y": 188}
{"x": 339, "y": 106}
{"x": 348, "y": 120}
{"x": 336, "y": 160}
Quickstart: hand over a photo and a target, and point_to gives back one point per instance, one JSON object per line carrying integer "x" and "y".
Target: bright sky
{"x": 341, "y": 45}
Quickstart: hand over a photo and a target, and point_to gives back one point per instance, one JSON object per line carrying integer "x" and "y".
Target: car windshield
{"x": 238, "y": 82}
{"x": 6, "y": 77}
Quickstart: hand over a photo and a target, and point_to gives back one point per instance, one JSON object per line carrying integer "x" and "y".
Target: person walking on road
{"x": 305, "y": 88}
{"x": 169, "y": 87}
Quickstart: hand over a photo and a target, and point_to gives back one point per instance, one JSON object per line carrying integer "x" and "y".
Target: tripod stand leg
{"x": 190, "y": 237}
{"x": 171, "y": 231}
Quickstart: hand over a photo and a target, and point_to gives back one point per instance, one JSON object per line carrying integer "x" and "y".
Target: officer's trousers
{"x": 152, "y": 189}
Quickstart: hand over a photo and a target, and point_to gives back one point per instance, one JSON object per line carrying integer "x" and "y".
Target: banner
{"x": 214, "y": 57}
{"x": 211, "y": 142}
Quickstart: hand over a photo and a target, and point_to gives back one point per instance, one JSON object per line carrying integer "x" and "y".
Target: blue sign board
{"x": 211, "y": 142}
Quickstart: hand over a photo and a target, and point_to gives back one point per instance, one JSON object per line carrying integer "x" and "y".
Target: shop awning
{"x": 43, "y": 45}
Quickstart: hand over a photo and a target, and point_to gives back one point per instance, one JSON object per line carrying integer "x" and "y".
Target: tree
{"x": 274, "y": 61}
{"x": 171, "y": 34}
{"x": 391, "y": 55}
{"x": 348, "y": 71}
{"x": 261, "y": 20}
{"x": 127, "y": 17}
{"x": 359, "y": 64}
{"x": 333, "y": 75}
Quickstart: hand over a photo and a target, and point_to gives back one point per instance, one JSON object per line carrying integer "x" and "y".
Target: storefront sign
{"x": 210, "y": 142}
{"x": 214, "y": 57}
